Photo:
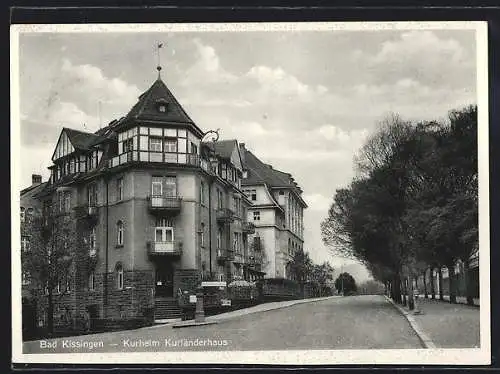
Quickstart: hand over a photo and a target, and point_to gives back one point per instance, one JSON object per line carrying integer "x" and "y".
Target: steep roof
{"x": 146, "y": 107}
{"x": 259, "y": 172}
{"x": 33, "y": 189}
{"x": 82, "y": 140}
{"x": 223, "y": 148}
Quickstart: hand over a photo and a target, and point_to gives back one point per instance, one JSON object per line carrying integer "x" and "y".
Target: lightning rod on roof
{"x": 158, "y": 46}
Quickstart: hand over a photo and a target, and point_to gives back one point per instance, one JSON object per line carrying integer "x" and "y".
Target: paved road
{"x": 355, "y": 322}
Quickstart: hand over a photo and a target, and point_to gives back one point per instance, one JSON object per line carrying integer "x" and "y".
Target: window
{"x": 119, "y": 276}
{"x": 119, "y": 231}
{"x": 92, "y": 194}
{"x": 162, "y": 108}
{"x": 92, "y": 241}
{"x": 220, "y": 199}
{"x": 194, "y": 148}
{"x": 171, "y": 186}
{"x": 65, "y": 201}
{"x": 219, "y": 238}
{"x": 92, "y": 281}
{"x": 256, "y": 216}
{"x": 202, "y": 193}
{"x": 256, "y": 243}
{"x": 157, "y": 186}
{"x": 22, "y": 214}
{"x": 155, "y": 144}
{"x": 25, "y": 244}
{"x": 119, "y": 189}
{"x": 164, "y": 230}
{"x": 202, "y": 235}
{"x": 170, "y": 145}
{"x": 128, "y": 145}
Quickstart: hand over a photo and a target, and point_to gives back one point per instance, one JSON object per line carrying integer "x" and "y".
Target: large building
{"x": 150, "y": 200}
{"x": 277, "y": 212}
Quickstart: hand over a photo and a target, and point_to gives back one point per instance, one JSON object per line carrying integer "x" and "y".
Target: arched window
{"x": 22, "y": 214}
{"x": 119, "y": 276}
{"x": 119, "y": 233}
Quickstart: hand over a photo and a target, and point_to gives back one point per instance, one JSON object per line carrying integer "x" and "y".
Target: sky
{"x": 302, "y": 101}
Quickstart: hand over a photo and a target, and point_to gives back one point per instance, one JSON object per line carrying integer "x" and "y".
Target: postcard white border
{"x": 473, "y": 356}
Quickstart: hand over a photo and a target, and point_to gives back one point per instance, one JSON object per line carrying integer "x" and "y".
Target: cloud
{"x": 90, "y": 79}
{"x": 316, "y": 201}
{"x": 433, "y": 60}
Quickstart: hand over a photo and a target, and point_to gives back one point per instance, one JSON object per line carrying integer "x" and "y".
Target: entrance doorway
{"x": 164, "y": 282}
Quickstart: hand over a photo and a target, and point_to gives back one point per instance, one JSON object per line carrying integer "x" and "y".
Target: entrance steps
{"x": 167, "y": 308}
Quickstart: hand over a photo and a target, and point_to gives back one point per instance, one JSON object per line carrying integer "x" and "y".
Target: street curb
{"x": 193, "y": 323}
{"x": 422, "y": 336}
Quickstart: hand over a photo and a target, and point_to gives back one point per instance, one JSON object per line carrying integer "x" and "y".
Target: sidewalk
{"x": 263, "y": 308}
{"x": 460, "y": 299}
{"x": 448, "y": 325}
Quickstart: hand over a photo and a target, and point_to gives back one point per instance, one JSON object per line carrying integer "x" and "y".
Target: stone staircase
{"x": 167, "y": 308}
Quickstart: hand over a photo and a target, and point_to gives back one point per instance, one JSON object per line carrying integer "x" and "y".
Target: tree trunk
{"x": 50, "y": 313}
{"x": 441, "y": 294}
{"x": 433, "y": 288}
{"x": 468, "y": 291}
{"x": 425, "y": 284}
{"x": 451, "y": 277}
{"x": 411, "y": 301}
{"x": 396, "y": 289}
{"x": 403, "y": 287}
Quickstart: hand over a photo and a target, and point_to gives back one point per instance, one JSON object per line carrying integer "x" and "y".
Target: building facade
{"x": 277, "y": 211}
{"x": 150, "y": 203}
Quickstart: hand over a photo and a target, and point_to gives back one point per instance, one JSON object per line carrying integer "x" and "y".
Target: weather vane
{"x": 158, "y": 46}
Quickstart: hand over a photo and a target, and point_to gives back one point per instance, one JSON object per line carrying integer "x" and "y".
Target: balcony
{"x": 164, "y": 203}
{"x": 172, "y": 248}
{"x": 224, "y": 255}
{"x": 254, "y": 261}
{"x": 238, "y": 258}
{"x": 224, "y": 215}
{"x": 248, "y": 227}
{"x": 88, "y": 211}
{"x": 160, "y": 157}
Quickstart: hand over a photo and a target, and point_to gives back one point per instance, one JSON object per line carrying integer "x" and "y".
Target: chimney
{"x": 36, "y": 179}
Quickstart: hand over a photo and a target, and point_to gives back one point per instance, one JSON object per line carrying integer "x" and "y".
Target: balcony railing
{"x": 248, "y": 227}
{"x": 164, "y": 203}
{"x": 254, "y": 260}
{"x": 224, "y": 215}
{"x": 225, "y": 255}
{"x": 171, "y": 248}
{"x": 161, "y": 157}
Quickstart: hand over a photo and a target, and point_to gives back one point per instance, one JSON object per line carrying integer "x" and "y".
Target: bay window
{"x": 154, "y": 144}
{"x": 170, "y": 145}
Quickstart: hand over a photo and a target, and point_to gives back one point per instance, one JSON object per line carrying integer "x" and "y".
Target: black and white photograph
{"x": 287, "y": 193}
